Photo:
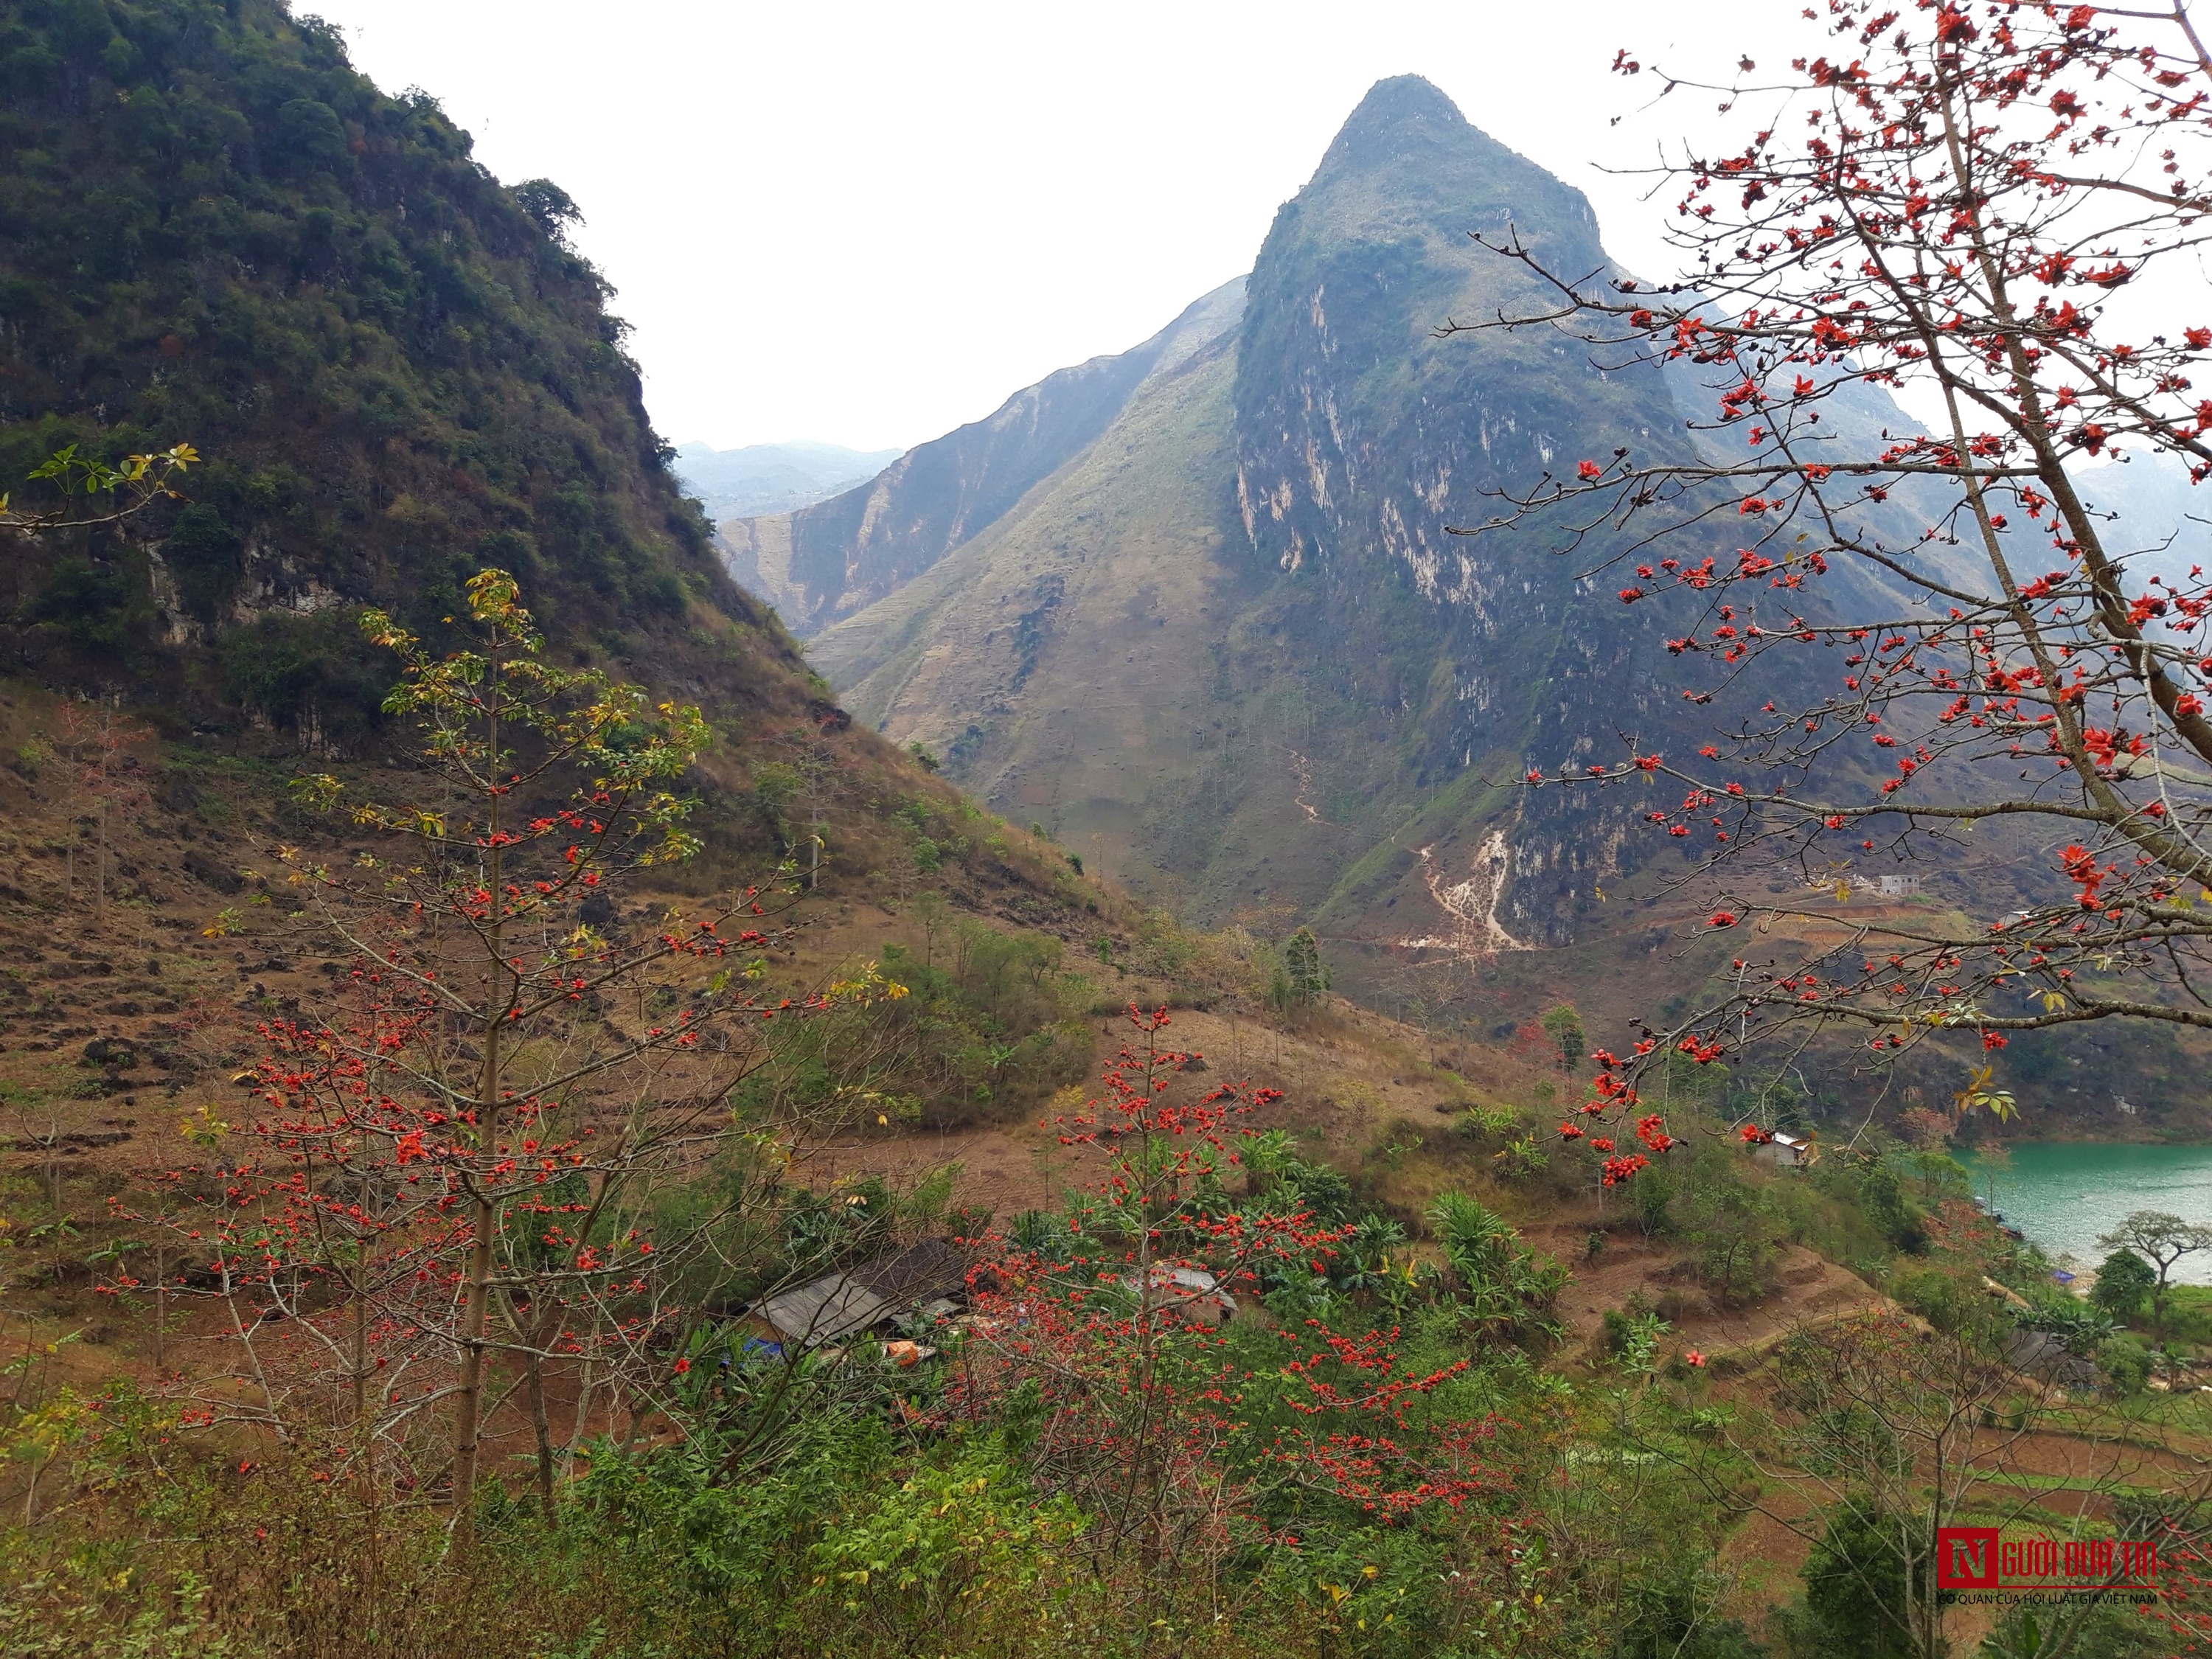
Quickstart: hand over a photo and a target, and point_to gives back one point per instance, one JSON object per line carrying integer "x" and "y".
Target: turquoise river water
{"x": 2063, "y": 1194}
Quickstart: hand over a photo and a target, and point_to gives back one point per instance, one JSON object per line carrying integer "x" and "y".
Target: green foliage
{"x": 1564, "y": 1027}
{"x": 1297, "y": 977}
{"x": 775, "y": 786}
{"x": 945, "y": 1536}
{"x": 289, "y": 671}
{"x": 1504, "y": 1287}
{"x": 552, "y": 207}
{"x": 1653, "y": 1194}
{"x": 217, "y": 228}
{"x": 1950, "y": 1299}
{"x": 2080, "y": 1331}
{"x": 2124, "y": 1286}
{"x": 1736, "y": 1231}
{"x": 1936, "y": 1176}
{"x": 1874, "y": 1189}
{"x": 1632, "y": 1335}
{"x": 2097, "y": 1632}
{"x": 990, "y": 1022}
{"x": 2125, "y": 1363}
{"x": 1855, "y": 1582}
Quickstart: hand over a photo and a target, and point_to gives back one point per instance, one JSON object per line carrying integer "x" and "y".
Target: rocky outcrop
{"x": 1362, "y": 438}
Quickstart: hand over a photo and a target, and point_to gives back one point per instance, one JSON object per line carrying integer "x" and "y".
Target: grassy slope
{"x": 398, "y": 374}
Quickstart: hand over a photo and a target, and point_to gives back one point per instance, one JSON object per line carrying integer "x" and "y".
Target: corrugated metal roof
{"x": 837, "y": 1304}
{"x": 823, "y": 1309}
{"x": 920, "y": 1272}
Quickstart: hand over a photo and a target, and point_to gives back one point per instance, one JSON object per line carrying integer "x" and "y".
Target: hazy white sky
{"x": 867, "y": 223}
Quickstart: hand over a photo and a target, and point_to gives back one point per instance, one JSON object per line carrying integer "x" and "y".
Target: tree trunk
{"x": 533, "y": 1382}
{"x": 360, "y": 1354}
{"x": 468, "y": 1416}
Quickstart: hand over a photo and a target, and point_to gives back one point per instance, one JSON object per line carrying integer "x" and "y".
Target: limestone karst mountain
{"x": 1230, "y": 650}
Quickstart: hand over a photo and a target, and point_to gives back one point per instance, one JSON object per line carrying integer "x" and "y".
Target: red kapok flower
{"x": 682, "y": 1366}
{"x": 1694, "y": 1359}
{"x": 1723, "y": 919}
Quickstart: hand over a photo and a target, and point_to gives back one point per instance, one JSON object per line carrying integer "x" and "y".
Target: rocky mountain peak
{"x": 1407, "y": 162}
{"x": 1397, "y": 116}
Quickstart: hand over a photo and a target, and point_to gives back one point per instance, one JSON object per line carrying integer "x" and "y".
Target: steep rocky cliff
{"x": 1233, "y": 650}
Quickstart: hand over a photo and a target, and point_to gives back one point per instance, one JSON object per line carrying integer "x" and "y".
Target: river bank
{"x": 2064, "y": 1194}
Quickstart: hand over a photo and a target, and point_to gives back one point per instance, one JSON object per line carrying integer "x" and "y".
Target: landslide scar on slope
{"x": 1474, "y": 930}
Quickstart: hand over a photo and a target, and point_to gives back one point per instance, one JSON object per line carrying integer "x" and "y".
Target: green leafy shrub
{"x": 2125, "y": 1364}
{"x": 2125, "y": 1282}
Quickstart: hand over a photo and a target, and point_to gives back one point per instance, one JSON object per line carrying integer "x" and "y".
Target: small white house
{"x": 1788, "y": 1151}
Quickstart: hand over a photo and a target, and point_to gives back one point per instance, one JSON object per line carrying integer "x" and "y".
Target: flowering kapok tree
{"x": 1109, "y": 1338}
{"x": 455, "y": 1156}
{"x": 1914, "y": 633}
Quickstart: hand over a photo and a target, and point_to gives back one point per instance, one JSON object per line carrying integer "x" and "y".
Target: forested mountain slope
{"x": 213, "y": 230}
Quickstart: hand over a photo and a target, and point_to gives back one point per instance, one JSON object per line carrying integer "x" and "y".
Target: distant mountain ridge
{"x": 737, "y": 483}
{"x": 835, "y": 557}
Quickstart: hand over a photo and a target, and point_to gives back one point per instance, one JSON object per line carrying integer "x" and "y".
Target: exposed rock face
{"x": 1231, "y": 650}
{"x": 1362, "y": 437}
{"x": 1233, "y": 642}
{"x": 837, "y": 557}
{"x": 1357, "y": 430}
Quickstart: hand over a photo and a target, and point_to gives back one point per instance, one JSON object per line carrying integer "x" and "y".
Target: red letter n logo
{"x": 1966, "y": 1558}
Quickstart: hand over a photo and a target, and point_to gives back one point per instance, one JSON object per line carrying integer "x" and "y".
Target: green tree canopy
{"x": 2124, "y": 1283}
